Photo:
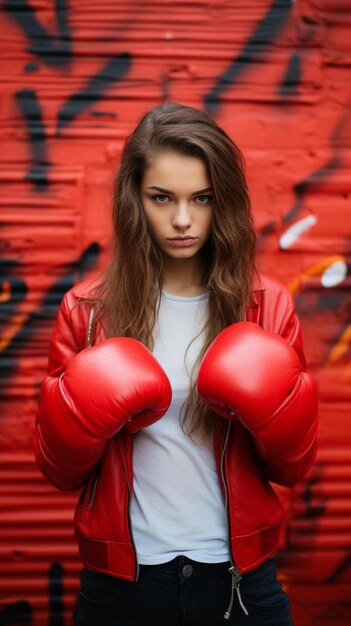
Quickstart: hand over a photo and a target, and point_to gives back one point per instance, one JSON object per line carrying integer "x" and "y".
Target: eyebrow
{"x": 162, "y": 190}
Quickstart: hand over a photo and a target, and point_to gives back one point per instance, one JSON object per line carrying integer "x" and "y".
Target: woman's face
{"x": 177, "y": 198}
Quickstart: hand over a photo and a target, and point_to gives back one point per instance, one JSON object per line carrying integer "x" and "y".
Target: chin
{"x": 183, "y": 254}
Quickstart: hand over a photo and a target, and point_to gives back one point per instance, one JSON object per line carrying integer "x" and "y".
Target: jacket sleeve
{"x": 287, "y": 444}
{"x": 64, "y": 451}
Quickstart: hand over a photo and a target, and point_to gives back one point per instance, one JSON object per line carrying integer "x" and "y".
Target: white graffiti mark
{"x": 296, "y": 230}
{"x": 334, "y": 274}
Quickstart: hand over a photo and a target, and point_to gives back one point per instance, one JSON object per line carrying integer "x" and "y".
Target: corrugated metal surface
{"x": 75, "y": 78}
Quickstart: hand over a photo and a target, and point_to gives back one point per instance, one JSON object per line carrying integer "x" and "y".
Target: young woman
{"x": 177, "y": 391}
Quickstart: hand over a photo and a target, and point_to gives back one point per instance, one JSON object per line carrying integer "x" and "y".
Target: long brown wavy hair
{"x": 130, "y": 292}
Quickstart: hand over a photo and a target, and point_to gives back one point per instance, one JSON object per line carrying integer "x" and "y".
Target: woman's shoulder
{"x": 86, "y": 289}
{"x": 263, "y": 282}
{"x": 74, "y": 318}
{"x": 270, "y": 290}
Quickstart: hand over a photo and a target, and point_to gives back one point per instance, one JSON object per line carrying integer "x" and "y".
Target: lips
{"x": 182, "y": 241}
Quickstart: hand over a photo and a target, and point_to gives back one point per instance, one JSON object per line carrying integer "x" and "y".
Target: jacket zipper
{"x": 130, "y": 528}
{"x": 233, "y": 570}
{"x": 92, "y": 494}
{"x": 89, "y": 342}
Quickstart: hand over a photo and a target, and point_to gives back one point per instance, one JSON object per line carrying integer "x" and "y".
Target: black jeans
{"x": 182, "y": 593}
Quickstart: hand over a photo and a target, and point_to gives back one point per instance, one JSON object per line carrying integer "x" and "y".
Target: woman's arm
{"x": 289, "y": 446}
{"x": 260, "y": 378}
{"x": 65, "y": 454}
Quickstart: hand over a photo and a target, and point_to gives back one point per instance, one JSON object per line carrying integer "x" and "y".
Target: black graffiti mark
{"x": 311, "y": 22}
{"x": 104, "y": 114}
{"x": 320, "y": 175}
{"x": 94, "y": 89}
{"x": 267, "y": 29}
{"x": 309, "y": 302}
{"x": 13, "y": 290}
{"x": 18, "y": 290}
{"x": 314, "y": 181}
{"x": 55, "y": 51}
{"x": 313, "y": 510}
{"x": 21, "y": 613}
{"x": 18, "y": 614}
{"x": 311, "y": 182}
{"x": 339, "y": 132}
{"x": 14, "y": 287}
{"x": 292, "y": 76}
{"x": 31, "y": 68}
{"x": 342, "y": 567}
{"x": 48, "y": 309}
{"x": 32, "y": 113}
{"x": 328, "y": 300}
{"x": 56, "y": 595}
{"x": 323, "y": 301}
{"x": 311, "y": 28}
{"x": 265, "y": 231}
{"x": 27, "y": 100}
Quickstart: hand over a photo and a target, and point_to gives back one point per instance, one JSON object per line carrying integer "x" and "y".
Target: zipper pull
{"x": 235, "y": 572}
{"x": 236, "y": 578}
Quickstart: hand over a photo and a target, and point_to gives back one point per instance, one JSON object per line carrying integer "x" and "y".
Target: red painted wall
{"x": 76, "y": 76}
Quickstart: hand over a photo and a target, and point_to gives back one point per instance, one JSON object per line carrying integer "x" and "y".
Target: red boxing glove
{"x": 256, "y": 375}
{"x": 114, "y": 382}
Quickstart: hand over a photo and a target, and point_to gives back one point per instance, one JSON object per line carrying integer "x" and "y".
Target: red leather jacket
{"x": 71, "y": 458}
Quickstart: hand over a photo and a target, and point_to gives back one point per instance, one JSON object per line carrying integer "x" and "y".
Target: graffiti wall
{"x": 76, "y": 76}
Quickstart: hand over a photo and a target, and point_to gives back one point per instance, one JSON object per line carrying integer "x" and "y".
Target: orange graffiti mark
{"x": 6, "y": 291}
{"x": 17, "y": 323}
{"x": 315, "y": 270}
{"x": 341, "y": 347}
{"x": 343, "y": 343}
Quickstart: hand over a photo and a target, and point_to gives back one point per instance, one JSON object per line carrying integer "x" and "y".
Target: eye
{"x": 203, "y": 199}
{"x": 161, "y": 198}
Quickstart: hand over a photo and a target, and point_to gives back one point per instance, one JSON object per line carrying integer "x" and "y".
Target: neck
{"x": 183, "y": 276}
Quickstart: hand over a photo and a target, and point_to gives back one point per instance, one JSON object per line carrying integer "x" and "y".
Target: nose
{"x": 182, "y": 216}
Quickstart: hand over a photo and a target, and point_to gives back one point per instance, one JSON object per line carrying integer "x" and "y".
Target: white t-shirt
{"x": 177, "y": 506}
